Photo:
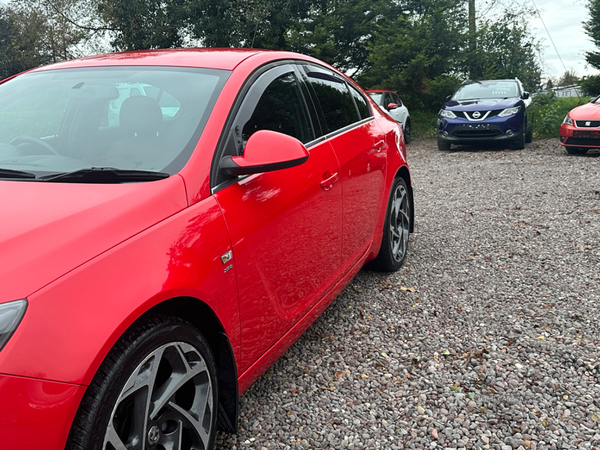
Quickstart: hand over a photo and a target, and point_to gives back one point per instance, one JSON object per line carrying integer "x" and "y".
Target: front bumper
{"x": 36, "y": 414}
{"x": 571, "y": 136}
{"x": 462, "y": 131}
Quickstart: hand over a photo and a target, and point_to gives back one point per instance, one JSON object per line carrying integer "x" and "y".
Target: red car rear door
{"x": 360, "y": 149}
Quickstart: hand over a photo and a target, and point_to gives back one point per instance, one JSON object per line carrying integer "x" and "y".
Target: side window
{"x": 281, "y": 108}
{"x": 386, "y": 100}
{"x": 396, "y": 100}
{"x": 361, "y": 104}
{"x": 335, "y": 99}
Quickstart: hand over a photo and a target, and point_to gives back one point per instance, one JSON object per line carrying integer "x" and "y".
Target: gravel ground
{"x": 488, "y": 337}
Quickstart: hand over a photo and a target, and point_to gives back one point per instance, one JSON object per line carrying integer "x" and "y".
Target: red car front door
{"x": 285, "y": 225}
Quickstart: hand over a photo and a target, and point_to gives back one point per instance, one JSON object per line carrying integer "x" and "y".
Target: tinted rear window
{"x": 335, "y": 99}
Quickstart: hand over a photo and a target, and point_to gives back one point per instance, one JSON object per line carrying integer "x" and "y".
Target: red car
{"x": 580, "y": 131}
{"x": 171, "y": 222}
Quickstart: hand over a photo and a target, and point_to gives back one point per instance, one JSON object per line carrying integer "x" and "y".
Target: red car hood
{"x": 48, "y": 229}
{"x": 589, "y": 111}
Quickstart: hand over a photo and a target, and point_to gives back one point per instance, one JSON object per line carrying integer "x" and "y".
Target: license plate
{"x": 586, "y": 134}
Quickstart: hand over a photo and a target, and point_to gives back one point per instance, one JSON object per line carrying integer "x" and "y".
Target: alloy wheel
{"x": 399, "y": 222}
{"x": 166, "y": 403}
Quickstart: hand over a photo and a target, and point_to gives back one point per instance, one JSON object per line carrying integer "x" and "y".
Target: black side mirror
{"x": 525, "y": 95}
{"x": 448, "y": 98}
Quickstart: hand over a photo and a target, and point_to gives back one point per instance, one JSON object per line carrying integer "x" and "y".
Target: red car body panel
{"x": 91, "y": 259}
{"x": 248, "y": 377}
{"x": 36, "y": 414}
{"x": 362, "y": 166}
{"x": 71, "y": 226}
{"x": 174, "y": 259}
{"x": 286, "y": 243}
{"x": 584, "y": 135}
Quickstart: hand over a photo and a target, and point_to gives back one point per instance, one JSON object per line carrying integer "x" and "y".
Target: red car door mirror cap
{"x": 266, "y": 151}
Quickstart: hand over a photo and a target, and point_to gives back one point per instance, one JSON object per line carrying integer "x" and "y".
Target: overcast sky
{"x": 564, "y": 23}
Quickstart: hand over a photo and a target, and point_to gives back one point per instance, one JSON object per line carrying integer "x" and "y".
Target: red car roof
{"x": 210, "y": 58}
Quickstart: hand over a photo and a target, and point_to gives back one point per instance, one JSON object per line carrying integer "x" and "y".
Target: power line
{"x": 550, "y": 37}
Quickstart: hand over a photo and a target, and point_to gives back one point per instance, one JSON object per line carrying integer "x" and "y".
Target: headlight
{"x": 447, "y": 114}
{"x": 510, "y": 111}
{"x": 10, "y": 316}
{"x": 568, "y": 120}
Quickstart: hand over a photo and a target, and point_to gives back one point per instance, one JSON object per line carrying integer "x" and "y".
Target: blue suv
{"x": 484, "y": 111}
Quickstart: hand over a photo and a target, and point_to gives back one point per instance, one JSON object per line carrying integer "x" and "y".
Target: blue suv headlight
{"x": 447, "y": 114}
{"x": 509, "y": 111}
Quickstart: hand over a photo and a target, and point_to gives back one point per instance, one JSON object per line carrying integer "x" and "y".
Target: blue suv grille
{"x": 478, "y": 116}
{"x": 468, "y": 132}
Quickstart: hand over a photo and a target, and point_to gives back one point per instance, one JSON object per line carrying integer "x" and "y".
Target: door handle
{"x": 329, "y": 181}
{"x": 379, "y": 146}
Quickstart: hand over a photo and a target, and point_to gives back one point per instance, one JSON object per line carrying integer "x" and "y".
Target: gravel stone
{"x": 487, "y": 337}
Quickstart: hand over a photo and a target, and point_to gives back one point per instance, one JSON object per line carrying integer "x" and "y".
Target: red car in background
{"x": 171, "y": 222}
{"x": 580, "y": 131}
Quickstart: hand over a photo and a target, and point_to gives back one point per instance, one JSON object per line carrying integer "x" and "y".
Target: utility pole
{"x": 472, "y": 40}
{"x": 472, "y": 27}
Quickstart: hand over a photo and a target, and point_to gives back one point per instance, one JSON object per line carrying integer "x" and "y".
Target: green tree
{"x": 248, "y": 23}
{"x": 419, "y": 52}
{"x": 31, "y": 35}
{"x": 592, "y": 28}
{"x": 340, "y": 32}
{"x": 568, "y": 78}
{"x": 590, "y": 85}
{"x": 145, "y": 24}
{"x": 507, "y": 49}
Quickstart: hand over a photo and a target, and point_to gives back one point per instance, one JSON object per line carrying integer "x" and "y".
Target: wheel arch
{"x": 202, "y": 317}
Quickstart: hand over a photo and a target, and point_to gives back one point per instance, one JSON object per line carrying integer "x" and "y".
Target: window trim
{"x": 305, "y": 66}
{"x": 243, "y": 107}
{"x": 300, "y": 69}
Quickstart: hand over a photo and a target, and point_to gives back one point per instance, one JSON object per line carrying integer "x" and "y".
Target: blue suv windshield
{"x": 487, "y": 90}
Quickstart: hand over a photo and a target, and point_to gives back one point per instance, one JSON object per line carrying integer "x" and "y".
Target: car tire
{"x": 576, "y": 150}
{"x": 172, "y": 361}
{"x": 443, "y": 145}
{"x": 519, "y": 143}
{"x": 396, "y": 229}
{"x": 407, "y": 131}
{"x": 529, "y": 134}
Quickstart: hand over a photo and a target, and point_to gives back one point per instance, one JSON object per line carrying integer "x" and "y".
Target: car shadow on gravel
{"x": 477, "y": 148}
{"x": 502, "y": 146}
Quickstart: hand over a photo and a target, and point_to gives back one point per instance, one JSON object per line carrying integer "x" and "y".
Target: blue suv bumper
{"x": 464, "y": 131}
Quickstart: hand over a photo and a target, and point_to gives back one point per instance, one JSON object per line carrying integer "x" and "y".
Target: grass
{"x": 549, "y": 112}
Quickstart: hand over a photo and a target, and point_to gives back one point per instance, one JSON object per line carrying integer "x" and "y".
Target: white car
{"x": 392, "y": 104}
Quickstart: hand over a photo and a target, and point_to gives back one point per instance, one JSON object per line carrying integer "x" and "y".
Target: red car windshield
{"x": 130, "y": 118}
